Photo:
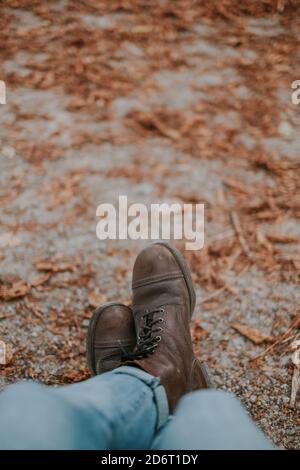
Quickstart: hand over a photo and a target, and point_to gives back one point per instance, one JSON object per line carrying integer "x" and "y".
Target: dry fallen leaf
{"x": 95, "y": 299}
{"x": 281, "y": 238}
{"x": 41, "y": 279}
{"x": 197, "y": 333}
{"x": 17, "y": 290}
{"x": 55, "y": 266}
{"x": 20, "y": 289}
{"x": 256, "y": 336}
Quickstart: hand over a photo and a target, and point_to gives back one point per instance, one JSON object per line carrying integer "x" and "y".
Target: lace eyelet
{"x": 160, "y": 328}
{"x": 160, "y": 320}
{"x": 158, "y": 338}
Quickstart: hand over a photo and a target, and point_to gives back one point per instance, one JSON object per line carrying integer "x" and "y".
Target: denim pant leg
{"x": 122, "y": 409}
{"x": 209, "y": 420}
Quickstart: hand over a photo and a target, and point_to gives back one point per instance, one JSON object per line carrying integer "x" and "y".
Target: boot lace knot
{"x": 148, "y": 337}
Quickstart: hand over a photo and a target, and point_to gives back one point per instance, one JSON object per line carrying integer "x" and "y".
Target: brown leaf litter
{"x": 253, "y": 334}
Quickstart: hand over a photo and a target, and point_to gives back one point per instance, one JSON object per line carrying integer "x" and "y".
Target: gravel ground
{"x": 182, "y": 124}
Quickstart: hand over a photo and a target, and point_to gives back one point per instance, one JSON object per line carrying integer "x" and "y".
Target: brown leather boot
{"x": 163, "y": 303}
{"x": 111, "y": 335}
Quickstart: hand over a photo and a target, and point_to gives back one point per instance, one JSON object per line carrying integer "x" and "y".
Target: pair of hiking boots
{"x": 153, "y": 333}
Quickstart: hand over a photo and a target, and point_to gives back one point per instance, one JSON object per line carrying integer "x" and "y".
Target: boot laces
{"x": 147, "y": 340}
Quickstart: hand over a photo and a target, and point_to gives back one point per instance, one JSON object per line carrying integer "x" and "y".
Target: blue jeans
{"x": 123, "y": 409}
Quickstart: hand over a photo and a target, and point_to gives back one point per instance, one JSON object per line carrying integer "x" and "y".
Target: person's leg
{"x": 209, "y": 420}
{"x": 117, "y": 410}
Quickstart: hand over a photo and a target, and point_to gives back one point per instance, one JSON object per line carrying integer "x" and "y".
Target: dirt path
{"x": 164, "y": 103}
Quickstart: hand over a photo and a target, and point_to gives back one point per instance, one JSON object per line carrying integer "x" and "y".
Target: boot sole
{"x": 186, "y": 272}
{"x": 90, "y": 359}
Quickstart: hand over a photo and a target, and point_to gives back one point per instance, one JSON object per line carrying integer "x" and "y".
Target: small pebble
{"x": 253, "y": 398}
{"x": 7, "y": 151}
